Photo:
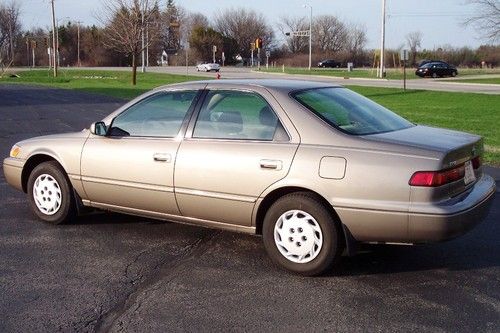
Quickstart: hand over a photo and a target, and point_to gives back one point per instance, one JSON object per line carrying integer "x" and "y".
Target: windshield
{"x": 349, "y": 111}
{"x": 427, "y": 65}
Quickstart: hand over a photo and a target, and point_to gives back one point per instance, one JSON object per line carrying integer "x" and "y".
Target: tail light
{"x": 437, "y": 178}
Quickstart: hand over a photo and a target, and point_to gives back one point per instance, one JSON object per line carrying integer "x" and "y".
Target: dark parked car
{"x": 436, "y": 69}
{"x": 329, "y": 63}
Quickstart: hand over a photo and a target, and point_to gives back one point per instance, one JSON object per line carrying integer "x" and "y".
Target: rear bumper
{"x": 12, "y": 170}
{"x": 454, "y": 217}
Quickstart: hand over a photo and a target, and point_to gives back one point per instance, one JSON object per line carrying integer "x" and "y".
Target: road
{"x": 245, "y": 72}
{"x": 110, "y": 272}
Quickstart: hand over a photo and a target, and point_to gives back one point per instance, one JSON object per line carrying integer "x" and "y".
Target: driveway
{"x": 110, "y": 272}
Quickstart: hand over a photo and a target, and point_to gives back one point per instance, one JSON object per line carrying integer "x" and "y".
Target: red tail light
{"x": 437, "y": 178}
{"x": 476, "y": 162}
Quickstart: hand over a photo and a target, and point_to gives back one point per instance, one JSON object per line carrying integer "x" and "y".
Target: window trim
{"x": 194, "y": 118}
{"x": 184, "y": 123}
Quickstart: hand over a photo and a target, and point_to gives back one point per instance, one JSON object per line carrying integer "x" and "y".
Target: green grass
{"x": 392, "y": 74}
{"x": 112, "y": 83}
{"x": 490, "y": 80}
{"x": 474, "y": 113}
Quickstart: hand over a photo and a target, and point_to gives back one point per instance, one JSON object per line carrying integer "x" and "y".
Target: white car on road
{"x": 208, "y": 67}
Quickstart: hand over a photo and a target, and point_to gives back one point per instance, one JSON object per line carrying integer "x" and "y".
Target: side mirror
{"x": 98, "y": 128}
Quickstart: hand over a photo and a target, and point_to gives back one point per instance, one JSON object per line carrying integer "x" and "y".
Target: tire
{"x": 453, "y": 73}
{"x": 434, "y": 75}
{"x": 299, "y": 223}
{"x": 50, "y": 194}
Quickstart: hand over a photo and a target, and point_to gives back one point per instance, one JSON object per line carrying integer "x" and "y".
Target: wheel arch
{"x": 349, "y": 241}
{"x": 31, "y": 164}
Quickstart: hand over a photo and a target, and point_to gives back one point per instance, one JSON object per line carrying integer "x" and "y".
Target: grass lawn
{"x": 113, "y": 83}
{"x": 392, "y": 74}
{"x": 474, "y": 113}
{"x": 490, "y": 80}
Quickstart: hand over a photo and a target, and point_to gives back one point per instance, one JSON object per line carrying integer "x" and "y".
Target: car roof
{"x": 270, "y": 84}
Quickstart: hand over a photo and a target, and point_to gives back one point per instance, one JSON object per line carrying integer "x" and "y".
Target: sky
{"x": 440, "y": 21}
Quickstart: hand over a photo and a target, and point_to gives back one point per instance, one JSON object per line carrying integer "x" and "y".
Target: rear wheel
{"x": 301, "y": 235}
{"x": 50, "y": 193}
{"x": 453, "y": 73}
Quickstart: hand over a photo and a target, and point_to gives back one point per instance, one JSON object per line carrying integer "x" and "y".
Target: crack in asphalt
{"x": 161, "y": 272}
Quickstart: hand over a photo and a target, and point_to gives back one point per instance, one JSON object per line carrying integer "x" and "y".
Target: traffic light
{"x": 258, "y": 43}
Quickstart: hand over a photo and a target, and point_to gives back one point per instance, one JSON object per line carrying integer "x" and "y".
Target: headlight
{"x": 14, "y": 151}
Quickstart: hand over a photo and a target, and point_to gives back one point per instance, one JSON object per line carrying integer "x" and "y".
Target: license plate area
{"x": 469, "y": 173}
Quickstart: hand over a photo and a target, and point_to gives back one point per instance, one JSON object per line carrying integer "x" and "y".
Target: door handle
{"x": 161, "y": 157}
{"x": 271, "y": 164}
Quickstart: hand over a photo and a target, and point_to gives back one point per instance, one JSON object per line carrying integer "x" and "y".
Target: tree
{"x": 289, "y": 24}
{"x": 125, "y": 23}
{"x": 356, "y": 42}
{"x": 414, "y": 40}
{"x": 10, "y": 28}
{"x": 487, "y": 18}
{"x": 171, "y": 21}
{"x": 329, "y": 34}
{"x": 244, "y": 26}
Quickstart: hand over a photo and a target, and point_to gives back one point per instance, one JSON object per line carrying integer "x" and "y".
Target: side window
{"x": 159, "y": 115}
{"x": 238, "y": 115}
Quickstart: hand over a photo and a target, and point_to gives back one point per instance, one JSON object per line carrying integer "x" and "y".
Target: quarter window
{"x": 160, "y": 115}
{"x": 238, "y": 115}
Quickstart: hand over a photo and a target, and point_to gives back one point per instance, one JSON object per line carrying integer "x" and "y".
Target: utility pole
{"x": 382, "y": 43}
{"x": 54, "y": 42}
{"x": 78, "y": 42}
{"x": 143, "y": 64}
{"x": 310, "y": 36}
{"x": 147, "y": 44}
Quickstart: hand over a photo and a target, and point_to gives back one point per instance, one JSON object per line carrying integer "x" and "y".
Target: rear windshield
{"x": 349, "y": 111}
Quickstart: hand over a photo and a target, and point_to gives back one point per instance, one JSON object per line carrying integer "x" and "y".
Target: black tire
{"x": 434, "y": 75}
{"x": 332, "y": 244}
{"x": 66, "y": 210}
{"x": 453, "y": 73}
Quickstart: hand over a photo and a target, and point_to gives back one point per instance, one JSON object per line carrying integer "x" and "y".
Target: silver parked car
{"x": 314, "y": 168}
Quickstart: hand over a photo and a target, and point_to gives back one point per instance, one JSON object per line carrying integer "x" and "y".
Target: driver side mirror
{"x": 98, "y": 128}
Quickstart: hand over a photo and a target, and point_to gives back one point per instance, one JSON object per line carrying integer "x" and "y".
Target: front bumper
{"x": 12, "y": 170}
{"x": 454, "y": 217}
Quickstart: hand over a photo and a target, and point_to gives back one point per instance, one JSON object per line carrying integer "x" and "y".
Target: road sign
{"x": 214, "y": 48}
{"x": 268, "y": 53}
{"x": 252, "y": 46}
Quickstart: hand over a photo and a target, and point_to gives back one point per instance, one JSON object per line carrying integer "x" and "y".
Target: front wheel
{"x": 50, "y": 193}
{"x": 434, "y": 75}
{"x": 301, "y": 235}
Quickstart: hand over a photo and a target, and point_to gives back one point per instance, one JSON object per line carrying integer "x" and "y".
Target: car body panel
{"x": 222, "y": 183}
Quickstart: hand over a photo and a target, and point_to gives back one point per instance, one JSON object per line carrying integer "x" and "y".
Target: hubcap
{"x": 47, "y": 194}
{"x": 298, "y": 236}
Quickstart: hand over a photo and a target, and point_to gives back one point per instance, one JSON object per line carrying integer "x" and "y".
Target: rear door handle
{"x": 271, "y": 164}
{"x": 162, "y": 157}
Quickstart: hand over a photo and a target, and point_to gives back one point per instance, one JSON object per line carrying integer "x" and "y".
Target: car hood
{"x": 428, "y": 138}
{"x": 55, "y": 137}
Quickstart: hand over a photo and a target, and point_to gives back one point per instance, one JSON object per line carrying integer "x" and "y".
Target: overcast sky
{"x": 440, "y": 21}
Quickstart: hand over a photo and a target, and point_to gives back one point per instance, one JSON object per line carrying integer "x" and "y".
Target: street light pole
{"x": 78, "y": 42}
{"x": 310, "y": 33}
{"x": 382, "y": 43}
{"x": 54, "y": 42}
{"x": 143, "y": 65}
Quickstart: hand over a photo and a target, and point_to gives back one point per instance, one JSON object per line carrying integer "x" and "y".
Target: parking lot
{"x": 110, "y": 272}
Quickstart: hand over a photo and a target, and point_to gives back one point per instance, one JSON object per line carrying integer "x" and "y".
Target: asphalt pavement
{"x": 111, "y": 272}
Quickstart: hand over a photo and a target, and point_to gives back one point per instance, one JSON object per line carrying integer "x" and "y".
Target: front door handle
{"x": 162, "y": 157}
{"x": 271, "y": 164}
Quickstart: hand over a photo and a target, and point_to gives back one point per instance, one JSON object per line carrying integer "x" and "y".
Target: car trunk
{"x": 457, "y": 149}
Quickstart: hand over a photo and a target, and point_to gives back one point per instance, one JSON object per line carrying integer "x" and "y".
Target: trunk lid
{"x": 456, "y": 147}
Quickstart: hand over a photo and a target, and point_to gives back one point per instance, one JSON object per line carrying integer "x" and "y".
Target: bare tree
{"x": 414, "y": 40}
{"x": 244, "y": 26}
{"x": 289, "y": 24}
{"x": 329, "y": 34}
{"x": 487, "y": 18}
{"x": 356, "y": 41}
{"x": 10, "y": 28}
{"x": 125, "y": 22}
